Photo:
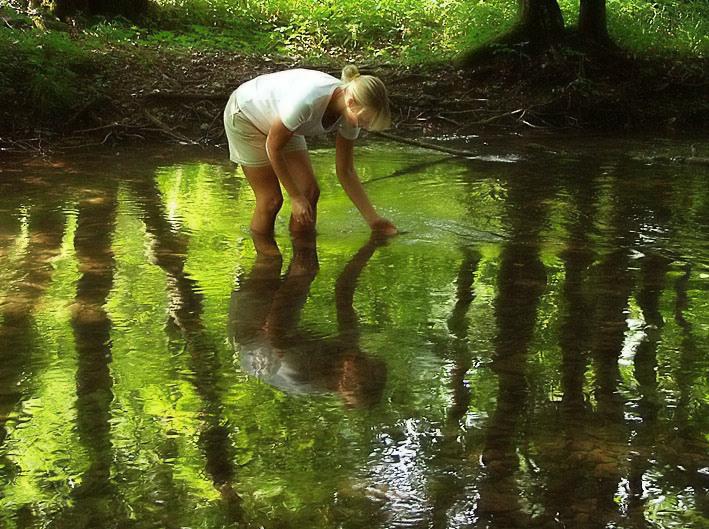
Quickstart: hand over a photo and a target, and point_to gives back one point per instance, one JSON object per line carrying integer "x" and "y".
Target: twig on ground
{"x": 468, "y": 111}
{"x": 102, "y": 127}
{"x": 496, "y": 117}
{"x": 449, "y": 120}
{"x": 531, "y": 124}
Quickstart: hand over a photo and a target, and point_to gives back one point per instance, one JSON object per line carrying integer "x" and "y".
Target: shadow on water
{"x": 95, "y": 502}
{"x": 168, "y": 250}
{"x": 521, "y": 280}
{"x": 448, "y": 486}
{"x": 552, "y": 377}
{"x": 19, "y": 364}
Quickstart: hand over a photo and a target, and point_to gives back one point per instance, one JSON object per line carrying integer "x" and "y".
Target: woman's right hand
{"x": 301, "y": 210}
{"x": 384, "y": 227}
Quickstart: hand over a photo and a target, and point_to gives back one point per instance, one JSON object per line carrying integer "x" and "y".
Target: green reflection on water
{"x": 41, "y": 443}
{"x": 540, "y": 334}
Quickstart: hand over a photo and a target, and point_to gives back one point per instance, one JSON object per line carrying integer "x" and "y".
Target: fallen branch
{"x": 407, "y": 170}
{"x": 426, "y": 145}
{"x": 167, "y": 130}
{"x": 80, "y": 146}
{"x": 691, "y": 160}
{"x": 15, "y": 146}
{"x": 696, "y": 160}
{"x": 188, "y": 96}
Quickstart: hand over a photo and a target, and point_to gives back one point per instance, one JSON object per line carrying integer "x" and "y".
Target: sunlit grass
{"x": 424, "y": 30}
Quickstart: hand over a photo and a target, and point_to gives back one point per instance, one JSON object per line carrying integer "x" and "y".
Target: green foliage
{"x": 410, "y": 30}
{"x": 204, "y": 37}
{"x": 665, "y": 26}
{"x": 425, "y": 30}
{"x": 406, "y": 30}
{"x": 44, "y": 72}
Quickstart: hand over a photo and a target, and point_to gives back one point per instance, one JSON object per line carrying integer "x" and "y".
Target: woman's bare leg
{"x": 301, "y": 171}
{"x": 265, "y": 245}
{"x": 269, "y": 198}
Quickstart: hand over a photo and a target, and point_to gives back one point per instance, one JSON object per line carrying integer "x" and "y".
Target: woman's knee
{"x": 271, "y": 204}
{"x": 312, "y": 194}
{"x": 303, "y": 175}
{"x": 267, "y": 191}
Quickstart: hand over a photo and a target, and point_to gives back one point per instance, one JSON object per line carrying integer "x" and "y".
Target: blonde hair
{"x": 370, "y": 93}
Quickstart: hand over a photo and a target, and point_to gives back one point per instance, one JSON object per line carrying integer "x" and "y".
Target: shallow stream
{"x": 532, "y": 351}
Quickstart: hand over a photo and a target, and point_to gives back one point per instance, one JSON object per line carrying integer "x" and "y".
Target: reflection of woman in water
{"x": 264, "y": 331}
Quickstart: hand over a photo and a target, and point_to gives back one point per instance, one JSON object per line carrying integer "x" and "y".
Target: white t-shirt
{"x": 298, "y": 97}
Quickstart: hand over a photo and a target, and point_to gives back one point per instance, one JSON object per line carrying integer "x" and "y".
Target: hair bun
{"x": 349, "y": 73}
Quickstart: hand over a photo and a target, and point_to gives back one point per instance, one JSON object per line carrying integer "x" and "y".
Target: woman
{"x": 266, "y": 120}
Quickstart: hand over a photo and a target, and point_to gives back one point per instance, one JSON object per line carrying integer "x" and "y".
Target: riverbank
{"x": 138, "y": 94}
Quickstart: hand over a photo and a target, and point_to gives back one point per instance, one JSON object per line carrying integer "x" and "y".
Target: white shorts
{"x": 247, "y": 144}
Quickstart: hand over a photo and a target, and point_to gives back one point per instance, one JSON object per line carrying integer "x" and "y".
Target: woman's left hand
{"x": 384, "y": 227}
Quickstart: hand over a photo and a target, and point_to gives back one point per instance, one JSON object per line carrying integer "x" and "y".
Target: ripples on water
{"x": 531, "y": 352}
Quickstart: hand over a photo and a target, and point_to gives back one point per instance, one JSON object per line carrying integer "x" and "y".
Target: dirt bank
{"x": 178, "y": 97}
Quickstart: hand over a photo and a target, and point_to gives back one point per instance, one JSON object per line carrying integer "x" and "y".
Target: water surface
{"x": 532, "y": 352}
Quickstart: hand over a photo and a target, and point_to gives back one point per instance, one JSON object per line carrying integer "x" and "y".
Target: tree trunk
{"x": 68, "y": 8}
{"x": 592, "y": 21}
{"x": 541, "y": 22}
{"x": 131, "y": 9}
{"x": 540, "y": 26}
{"x": 128, "y": 8}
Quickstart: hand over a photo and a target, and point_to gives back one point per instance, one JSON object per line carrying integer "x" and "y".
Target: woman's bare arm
{"x": 347, "y": 175}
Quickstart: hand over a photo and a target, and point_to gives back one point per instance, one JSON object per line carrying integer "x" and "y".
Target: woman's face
{"x": 356, "y": 115}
